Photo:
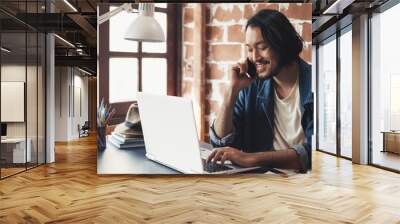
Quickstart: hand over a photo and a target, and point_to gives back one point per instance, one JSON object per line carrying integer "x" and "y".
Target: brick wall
{"x": 225, "y": 37}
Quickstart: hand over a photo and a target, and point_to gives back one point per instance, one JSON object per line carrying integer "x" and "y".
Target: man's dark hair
{"x": 279, "y": 34}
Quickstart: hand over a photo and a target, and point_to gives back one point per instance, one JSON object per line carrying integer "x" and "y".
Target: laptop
{"x": 171, "y": 139}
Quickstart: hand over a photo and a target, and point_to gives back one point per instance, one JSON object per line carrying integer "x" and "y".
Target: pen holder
{"x": 101, "y": 138}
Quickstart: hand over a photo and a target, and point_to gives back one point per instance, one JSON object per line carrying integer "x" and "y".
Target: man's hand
{"x": 239, "y": 79}
{"x": 234, "y": 155}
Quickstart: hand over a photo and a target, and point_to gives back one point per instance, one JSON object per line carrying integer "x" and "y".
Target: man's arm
{"x": 224, "y": 122}
{"x": 233, "y": 137}
{"x": 285, "y": 159}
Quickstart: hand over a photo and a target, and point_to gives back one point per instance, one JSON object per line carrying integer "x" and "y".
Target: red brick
{"x": 306, "y": 54}
{"x": 225, "y": 52}
{"x": 187, "y": 15}
{"x": 248, "y": 11}
{"x": 261, "y": 6}
{"x": 211, "y": 106}
{"x": 187, "y": 87}
{"x": 236, "y": 33}
{"x": 302, "y": 11}
{"x": 208, "y": 14}
{"x": 222, "y": 89}
{"x": 188, "y": 51}
{"x": 187, "y": 34}
{"x": 213, "y": 71}
{"x": 214, "y": 33}
{"x": 226, "y": 15}
{"x": 306, "y": 33}
{"x": 237, "y": 14}
{"x": 207, "y": 122}
{"x": 208, "y": 91}
{"x": 207, "y": 134}
{"x": 187, "y": 68}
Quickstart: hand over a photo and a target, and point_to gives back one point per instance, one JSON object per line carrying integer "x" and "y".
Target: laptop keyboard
{"x": 214, "y": 167}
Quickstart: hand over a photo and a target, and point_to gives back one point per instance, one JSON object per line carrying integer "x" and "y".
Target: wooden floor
{"x": 70, "y": 191}
{"x": 10, "y": 171}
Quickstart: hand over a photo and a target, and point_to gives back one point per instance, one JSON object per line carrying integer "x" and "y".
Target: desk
{"x": 13, "y": 150}
{"x": 391, "y": 141}
{"x": 134, "y": 161}
{"x": 128, "y": 161}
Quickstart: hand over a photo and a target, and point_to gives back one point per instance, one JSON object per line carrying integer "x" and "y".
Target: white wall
{"x": 61, "y": 103}
{"x": 80, "y": 84}
{"x": 16, "y": 73}
{"x": 70, "y": 83}
{"x": 33, "y": 126}
{"x": 11, "y": 73}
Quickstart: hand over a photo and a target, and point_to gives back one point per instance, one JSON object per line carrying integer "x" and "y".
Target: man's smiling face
{"x": 260, "y": 53}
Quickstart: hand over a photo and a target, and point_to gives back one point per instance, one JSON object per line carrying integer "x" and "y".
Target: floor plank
{"x": 70, "y": 191}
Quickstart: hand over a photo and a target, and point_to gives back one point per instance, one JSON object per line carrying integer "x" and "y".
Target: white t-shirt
{"x": 287, "y": 123}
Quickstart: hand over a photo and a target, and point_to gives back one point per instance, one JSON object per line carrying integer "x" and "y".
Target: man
{"x": 267, "y": 120}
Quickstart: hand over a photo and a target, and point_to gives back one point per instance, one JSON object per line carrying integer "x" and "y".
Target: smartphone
{"x": 251, "y": 68}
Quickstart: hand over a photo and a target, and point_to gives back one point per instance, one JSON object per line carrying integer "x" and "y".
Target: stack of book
{"x": 123, "y": 141}
{"x": 128, "y": 134}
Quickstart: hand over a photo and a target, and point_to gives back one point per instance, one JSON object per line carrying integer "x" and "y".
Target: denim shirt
{"x": 253, "y": 118}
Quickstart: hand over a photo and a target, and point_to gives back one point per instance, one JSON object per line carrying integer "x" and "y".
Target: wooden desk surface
{"x": 128, "y": 161}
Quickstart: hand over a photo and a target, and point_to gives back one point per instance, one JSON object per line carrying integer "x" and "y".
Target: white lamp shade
{"x": 145, "y": 28}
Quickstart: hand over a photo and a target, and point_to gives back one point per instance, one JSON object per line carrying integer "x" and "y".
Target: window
{"x": 394, "y": 101}
{"x": 346, "y": 93}
{"x": 385, "y": 87}
{"x": 126, "y": 67}
{"x": 123, "y": 79}
{"x": 154, "y": 79}
{"x": 327, "y": 96}
{"x": 124, "y": 72}
{"x": 334, "y": 92}
{"x": 22, "y": 74}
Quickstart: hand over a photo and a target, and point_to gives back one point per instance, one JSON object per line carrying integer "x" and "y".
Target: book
{"x": 129, "y": 136}
{"x": 119, "y": 145}
{"x": 123, "y": 139}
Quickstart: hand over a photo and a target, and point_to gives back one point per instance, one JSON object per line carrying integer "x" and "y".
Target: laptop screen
{"x": 3, "y": 129}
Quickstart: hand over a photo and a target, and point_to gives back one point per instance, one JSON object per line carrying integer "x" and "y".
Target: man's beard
{"x": 273, "y": 73}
